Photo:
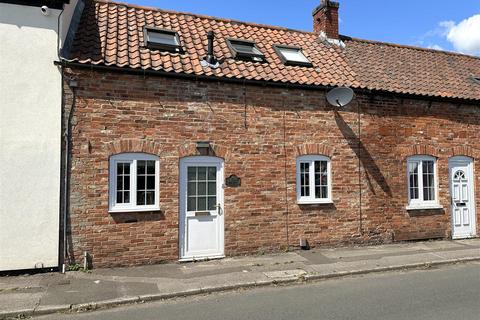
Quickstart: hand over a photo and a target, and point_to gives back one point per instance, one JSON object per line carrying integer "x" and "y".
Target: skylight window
{"x": 162, "y": 39}
{"x": 245, "y": 50}
{"x": 292, "y": 56}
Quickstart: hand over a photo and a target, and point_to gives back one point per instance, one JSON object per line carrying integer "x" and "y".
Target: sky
{"x": 438, "y": 24}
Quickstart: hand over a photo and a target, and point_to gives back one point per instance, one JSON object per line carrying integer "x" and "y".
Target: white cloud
{"x": 444, "y": 27}
{"x": 435, "y": 47}
{"x": 465, "y": 36}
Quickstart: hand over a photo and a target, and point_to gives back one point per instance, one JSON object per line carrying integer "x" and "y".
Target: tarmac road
{"x": 450, "y": 292}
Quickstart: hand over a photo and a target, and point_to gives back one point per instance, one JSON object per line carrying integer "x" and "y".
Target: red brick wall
{"x": 326, "y": 20}
{"x": 165, "y": 116}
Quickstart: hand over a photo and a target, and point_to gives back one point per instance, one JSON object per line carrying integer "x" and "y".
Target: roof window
{"x": 162, "y": 39}
{"x": 245, "y": 50}
{"x": 476, "y": 79}
{"x": 292, "y": 56}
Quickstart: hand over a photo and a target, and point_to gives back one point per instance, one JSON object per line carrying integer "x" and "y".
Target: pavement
{"x": 46, "y": 293}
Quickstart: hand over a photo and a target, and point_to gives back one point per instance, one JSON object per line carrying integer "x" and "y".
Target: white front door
{"x": 463, "y": 200}
{"x": 201, "y": 208}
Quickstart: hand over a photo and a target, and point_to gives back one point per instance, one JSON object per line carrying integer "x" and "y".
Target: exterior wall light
{"x": 204, "y": 147}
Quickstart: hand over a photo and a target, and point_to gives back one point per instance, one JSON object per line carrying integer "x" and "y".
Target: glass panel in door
{"x": 201, "y": 189}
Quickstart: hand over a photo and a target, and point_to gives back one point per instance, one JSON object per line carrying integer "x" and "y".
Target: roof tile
{"x": 112, "y": 34}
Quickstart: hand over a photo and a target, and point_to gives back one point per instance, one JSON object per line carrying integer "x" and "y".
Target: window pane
{"x": 192, "y": 189}
{"x": 212, "y": 173}
{"x": 123, "y": 183}
{"x": 120, "y": 182}
{"x": 324, "y": 180}
{"x": 119, "y": 197}
{"x": 140, "y": 182}
{"x": 120, "y": 168}
{"x": 202, "y": 173}
{"x": 245, "y": 47}
{"x": 324, "y": 193}
{"x": 192, "y": 173}
{"x": 192, "y": 204}
{"x": 413, "y": 179}
{"x": 146, "y": 182}
{"x": 141, "y": 198}
{"x": 428, "y": 180}
{"x": 212, "y": 188}
{"x": 321, "y": 179}
{"x": 141, "y": 167}
{"x": 150, "y": 197}
{"x": 162, "y": 37}
{"x": 202, "y": 189}
{"x": 304, "y": 179}
{"x": 151, "y": 167}
{"x": 212, "y": 202}
{"x": 202, "y": 203}
{"x": 295, "y": 55}
{"x": 151, "y": 182}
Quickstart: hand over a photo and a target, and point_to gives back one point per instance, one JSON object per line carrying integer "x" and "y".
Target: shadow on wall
{"x": 137, "y": 217}
{"x": 369, "y": 165}
{"x": 326, "y": 209}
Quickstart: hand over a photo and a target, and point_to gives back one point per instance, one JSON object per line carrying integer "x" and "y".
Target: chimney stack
{"x": 325, "y": 19}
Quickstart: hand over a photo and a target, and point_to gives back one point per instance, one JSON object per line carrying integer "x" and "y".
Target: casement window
{"x": 245, "y": 50}
{"x": 162, "y": 39}
{"x": 314, "y": 182}
{"x": 134, "y": 182}
{"x": 422, "y": 182}
{"x": 292, "y": 56}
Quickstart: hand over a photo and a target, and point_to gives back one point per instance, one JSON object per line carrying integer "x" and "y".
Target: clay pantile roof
{"x": 411, "y": 70}
{"x": 111, "y": 34}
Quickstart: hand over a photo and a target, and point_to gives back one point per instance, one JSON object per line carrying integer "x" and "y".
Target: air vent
{"x": 476, "y": 79}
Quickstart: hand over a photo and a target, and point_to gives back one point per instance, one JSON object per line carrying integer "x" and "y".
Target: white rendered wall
{"x": 30, "y": 137}
{"x": 66, "y": 17}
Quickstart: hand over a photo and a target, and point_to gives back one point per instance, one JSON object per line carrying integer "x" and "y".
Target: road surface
{"x": 451, "y": 292}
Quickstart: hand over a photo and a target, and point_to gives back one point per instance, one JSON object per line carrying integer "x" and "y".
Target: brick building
{"x": 178, "y": 152}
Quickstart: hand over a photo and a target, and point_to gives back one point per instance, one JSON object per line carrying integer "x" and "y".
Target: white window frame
{"x": 311, "y": 198}
{"x": 420, "y": 203}
{"x": 304, "y": 62}
{"x": 132, "y": 159}
{"x": 148, "y": 31}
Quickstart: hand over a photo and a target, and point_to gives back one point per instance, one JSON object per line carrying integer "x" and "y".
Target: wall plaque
{"x": 233, "y": 181}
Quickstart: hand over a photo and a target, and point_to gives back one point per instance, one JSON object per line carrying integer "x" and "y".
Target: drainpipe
{"x": 66, "y": 138}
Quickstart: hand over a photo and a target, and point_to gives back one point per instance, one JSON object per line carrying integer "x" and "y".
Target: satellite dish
{"x": 340, "y": 97}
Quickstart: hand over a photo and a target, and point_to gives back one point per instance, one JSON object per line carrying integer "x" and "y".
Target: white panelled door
{"x": 201, "y": 208}
{"x": 463, "y": 197}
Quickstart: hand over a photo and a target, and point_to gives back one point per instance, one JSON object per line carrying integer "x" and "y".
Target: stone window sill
{"x": 133, "y": 210}
{"x": 315, "y": 202}
{"x": 424, "y": 207}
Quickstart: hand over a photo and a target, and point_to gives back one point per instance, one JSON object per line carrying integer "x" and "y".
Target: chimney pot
{"x": 325, "y": 19}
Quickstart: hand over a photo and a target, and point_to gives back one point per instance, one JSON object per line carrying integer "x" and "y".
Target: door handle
{"x": 219, "y": 209}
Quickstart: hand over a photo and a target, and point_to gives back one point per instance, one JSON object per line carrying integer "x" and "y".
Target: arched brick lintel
{"x": 190, "y": 149}
{"x": 425, "y": 149}
{"x": 314, "y": 148}
{"x": 134, "y": 145}
{"x": 464, "y": 151}
{"x": 422, "y": 149}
